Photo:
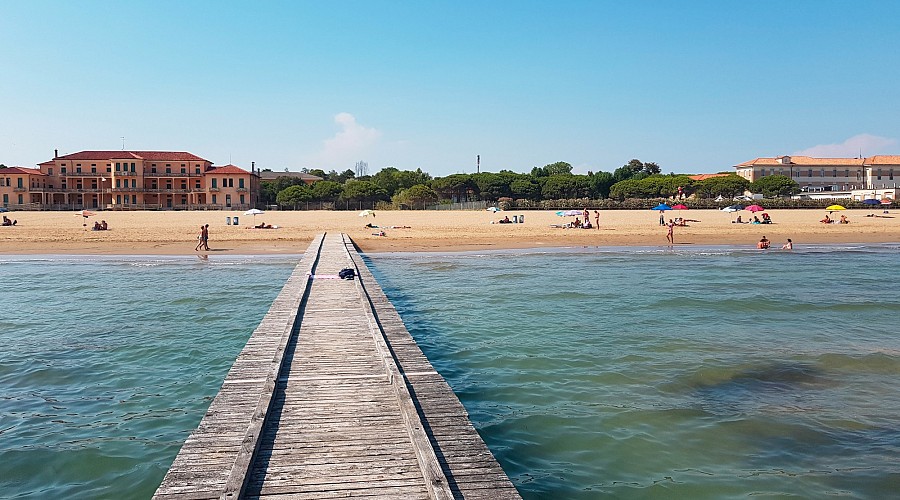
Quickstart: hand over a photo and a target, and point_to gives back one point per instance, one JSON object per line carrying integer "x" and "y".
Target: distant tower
{"x": 478, "y": 164}
{"x": 362, "y": 169}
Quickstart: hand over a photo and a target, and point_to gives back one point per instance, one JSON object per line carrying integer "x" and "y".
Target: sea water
{"x": 653, "y": 373}
{"x": 107, "y": 364}
{"x": 710, "y": 372}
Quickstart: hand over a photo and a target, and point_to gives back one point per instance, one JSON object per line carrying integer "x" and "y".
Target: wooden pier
{"x": 332, "y": 398}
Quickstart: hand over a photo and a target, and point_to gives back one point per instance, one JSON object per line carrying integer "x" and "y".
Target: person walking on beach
{"x": 199, "y": 240}
{"x": 597, "y": 219}
{"x": 205, "y": 234}
{"x": 670, "y": 235}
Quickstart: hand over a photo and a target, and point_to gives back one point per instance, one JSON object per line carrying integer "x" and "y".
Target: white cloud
{"x": 866, "y": 144}
{"x": 349, "y": 145}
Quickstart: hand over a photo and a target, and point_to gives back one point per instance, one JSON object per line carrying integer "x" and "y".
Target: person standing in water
{"x": 670, "y": 235}
{"x": 597, "y": 218}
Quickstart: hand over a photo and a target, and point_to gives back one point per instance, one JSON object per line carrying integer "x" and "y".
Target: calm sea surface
{"x": 593, "y": 372}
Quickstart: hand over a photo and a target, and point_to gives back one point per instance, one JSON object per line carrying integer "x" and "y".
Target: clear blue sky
{"x": 696, "y": 87}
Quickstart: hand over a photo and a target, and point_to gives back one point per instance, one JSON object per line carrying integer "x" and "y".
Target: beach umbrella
{"x": 569, "y": 213}
{"x": 731, "y": 209}
{"x": 886, "y": 201}
{"x": 254, "y": 212}
{"x": 871, "y": 201}
{"x": 661, "y": 206}
{"x": 680, "y": 207}
{"x": 489, "y": 209}
{"x": 832, "y": 208}
{"x": 366, "y": 213}
{"x": 754, "y": 208}
{"x": 85, "y": 214}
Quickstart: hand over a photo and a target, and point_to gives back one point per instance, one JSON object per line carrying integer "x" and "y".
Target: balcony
{"x": 82, "y": 174}
{"x": 171, "y": 174}
{"x": 241, "y": 190}
{"x": 20, "y": 189}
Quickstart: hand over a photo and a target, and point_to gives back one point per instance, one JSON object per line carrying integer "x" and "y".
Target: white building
{"x": 829, "y": 175}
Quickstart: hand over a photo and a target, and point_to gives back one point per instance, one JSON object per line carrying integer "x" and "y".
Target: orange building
{"x": 131, "y": 180}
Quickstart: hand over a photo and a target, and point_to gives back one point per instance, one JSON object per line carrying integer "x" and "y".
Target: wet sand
{"x": 175, "y": 233}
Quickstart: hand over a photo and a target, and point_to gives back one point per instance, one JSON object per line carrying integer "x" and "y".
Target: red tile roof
{"x": 20, "y": 170}
{"x": 227, "y": 169}
{"x": 883, "y": 160}
{"x": 802, "y": 161}
{"x": 701, "y": 177}
{"x": 138, "y": 155}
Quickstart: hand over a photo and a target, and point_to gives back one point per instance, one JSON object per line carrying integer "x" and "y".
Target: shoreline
{"x": 174, "y": 233}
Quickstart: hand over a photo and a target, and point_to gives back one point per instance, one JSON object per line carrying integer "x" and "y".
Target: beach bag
{"x": 347, "y": 274}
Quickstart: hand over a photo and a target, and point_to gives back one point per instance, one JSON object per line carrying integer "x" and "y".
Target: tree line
{"x": 414, "y": 188}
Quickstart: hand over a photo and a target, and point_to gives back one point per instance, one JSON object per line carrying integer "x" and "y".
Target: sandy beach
{"x": 175, "y": 233}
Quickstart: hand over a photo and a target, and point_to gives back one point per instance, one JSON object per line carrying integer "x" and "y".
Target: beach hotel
{"x": 129, "y": 180}
{"x": 874, "y": 177}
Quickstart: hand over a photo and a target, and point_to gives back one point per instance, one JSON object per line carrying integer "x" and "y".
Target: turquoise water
{"x": 648, "y": 373}
{"x": 109, "y": 363}
{"x": 590, "y": 372}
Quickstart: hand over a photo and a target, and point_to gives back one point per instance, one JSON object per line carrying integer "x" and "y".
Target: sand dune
{"x": 175, "y": 232}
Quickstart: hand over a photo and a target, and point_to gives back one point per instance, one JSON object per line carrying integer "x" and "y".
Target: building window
{"x": 153, "y": 169}
{"x": 94, "y": 170}
{"x": 77, "y": 170}
{"x": 241, "y": 183}
{"x": 847, "y": 173}
{"x": 214, "y": 199}
{"x": 118, "y": 166}
{"x": 134, "y": 199}
{"x": 133, "y": 181}
{"x": 132, "y": 167}
{"x": 118, "y": 183}
{"x": 62, "y": 170}
{"x": 21, "y": 201}
{"x": 879, "y": 174}
{"x": 20, "y": 182}
{"x": 834, "y": 173}
{"x": 891, "y": 174}
{"x": 214, "y": 184}
{"x": 183, "y": 171}
{"x": 168, "y": 170}
{"x": 242, "y": 199}
{"x": 197, "y": 170}
{"x": 50, "y": 171}
{"x": 822, "y": 172}
{"x": 197, "y": 186}
{"x": 118, "y": 199}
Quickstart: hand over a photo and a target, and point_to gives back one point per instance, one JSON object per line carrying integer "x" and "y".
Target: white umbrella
{"x": 254, "y": 212}
{"x": 366, "y": 213}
